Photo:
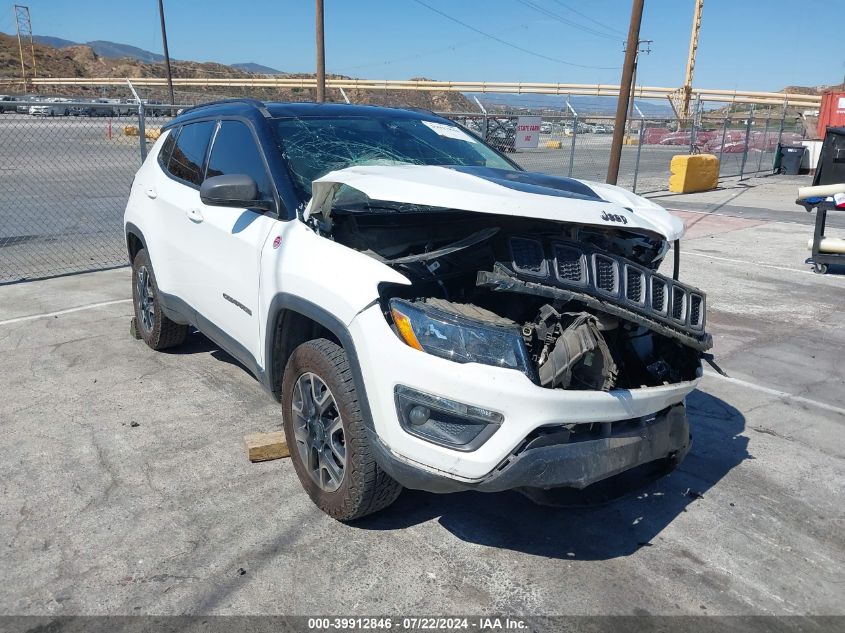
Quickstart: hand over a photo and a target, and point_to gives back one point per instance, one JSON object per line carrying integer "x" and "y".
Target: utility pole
{"x": 625, "y": 90}
{"x": 166, "y": 53}
{"x": 23, "y": 26}
{"x": 321, "y": 55}
{"x": 693, "y": 48}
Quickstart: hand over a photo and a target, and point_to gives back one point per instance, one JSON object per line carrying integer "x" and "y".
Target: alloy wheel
{"x": 145, "y": 299}
{"x": 318, "y": 431}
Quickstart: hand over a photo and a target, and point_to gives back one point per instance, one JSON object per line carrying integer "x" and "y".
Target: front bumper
{"x": 386, "y": 362}
{"x": 567, "y": 465}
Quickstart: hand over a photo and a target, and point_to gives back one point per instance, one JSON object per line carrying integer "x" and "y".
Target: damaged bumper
{"x": 570, "y": 463}
{"x": 524, "y": 407}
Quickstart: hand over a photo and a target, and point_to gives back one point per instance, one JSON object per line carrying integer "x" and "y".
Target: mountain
{"x": 55, "y": 42}
{"x": 259, "y": 69}
{"x": 114, "y": 50}
{"x": 103, "y": 48}
{"x": 81, "y": 60}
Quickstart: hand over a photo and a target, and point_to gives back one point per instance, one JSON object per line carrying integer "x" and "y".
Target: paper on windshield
{"x": 449, "y": 131}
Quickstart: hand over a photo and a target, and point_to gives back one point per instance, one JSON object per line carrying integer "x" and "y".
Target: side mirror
{"x": 233, "y": 190}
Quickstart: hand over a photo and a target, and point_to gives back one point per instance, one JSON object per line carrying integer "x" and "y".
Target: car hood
{"x": 499, "y": 192}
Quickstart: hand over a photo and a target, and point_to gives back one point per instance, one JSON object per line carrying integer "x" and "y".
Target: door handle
{"x": 195, "y": 215}
{"x": 151, "y": 193}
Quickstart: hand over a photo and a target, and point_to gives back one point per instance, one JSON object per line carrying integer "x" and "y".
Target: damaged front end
{"x": 573, "y": 305}
{"x": 553, "y": 278}
{"x": 567, "y": 318}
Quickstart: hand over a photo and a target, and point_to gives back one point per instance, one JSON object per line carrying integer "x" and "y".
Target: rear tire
{"x": 326, "y": 435}
{"x": 157, "y": 331}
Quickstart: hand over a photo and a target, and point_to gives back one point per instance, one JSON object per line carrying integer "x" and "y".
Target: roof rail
{"x": 246, "y": 100}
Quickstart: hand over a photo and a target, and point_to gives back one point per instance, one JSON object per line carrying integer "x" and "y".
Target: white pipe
{"x": 820, "y": 191}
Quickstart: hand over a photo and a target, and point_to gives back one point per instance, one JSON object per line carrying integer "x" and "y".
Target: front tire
{"x": 154, "y": 327}
{"x": 328, "y": 440}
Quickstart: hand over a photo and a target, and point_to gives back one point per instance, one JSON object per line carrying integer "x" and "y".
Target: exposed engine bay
{"x": 586, "y": 303}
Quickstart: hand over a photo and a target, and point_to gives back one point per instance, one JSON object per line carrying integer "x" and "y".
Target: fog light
{"x": 445, "y": 422}
{"x": 419, "y": 415}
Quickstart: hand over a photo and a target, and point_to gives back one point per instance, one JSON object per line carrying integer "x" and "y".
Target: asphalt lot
{"x": 125, "y": 487}
{"x": 64, "y": 184}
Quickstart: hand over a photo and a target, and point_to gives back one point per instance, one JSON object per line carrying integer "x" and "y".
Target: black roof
{"x": 296, "y": 109}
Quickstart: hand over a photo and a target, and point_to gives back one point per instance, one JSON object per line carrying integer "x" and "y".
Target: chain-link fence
{"x": 579, "y": 146}
{"x": 64, "y": 181}
{"x": 67, "y": 166}
{"x": 63, "y": 187}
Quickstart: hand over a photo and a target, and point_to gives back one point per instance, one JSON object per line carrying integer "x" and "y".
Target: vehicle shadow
{"x": 608, "y": 521}
{"x": 199, "y": 343}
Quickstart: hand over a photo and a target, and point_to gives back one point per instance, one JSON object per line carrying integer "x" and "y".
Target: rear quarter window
{"x": 186, "y": 160}
{"x": 167, "y": 148}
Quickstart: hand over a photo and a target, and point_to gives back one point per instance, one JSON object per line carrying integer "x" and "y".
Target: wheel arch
{"x": 134, "y": 241}
{"x": 293, "y": 320}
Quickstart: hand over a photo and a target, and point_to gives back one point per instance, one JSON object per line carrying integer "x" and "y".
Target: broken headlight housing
{"x": 457, "y": 338}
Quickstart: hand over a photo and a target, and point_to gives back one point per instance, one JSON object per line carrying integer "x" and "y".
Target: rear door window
{"x": 186, "y": 161}
{"x": 235, "y": 152}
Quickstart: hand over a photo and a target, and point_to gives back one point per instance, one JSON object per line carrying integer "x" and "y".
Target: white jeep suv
{"x": 429, "y": 314}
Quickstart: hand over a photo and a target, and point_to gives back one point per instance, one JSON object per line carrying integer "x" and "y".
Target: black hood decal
{"x": 531, "y": 182}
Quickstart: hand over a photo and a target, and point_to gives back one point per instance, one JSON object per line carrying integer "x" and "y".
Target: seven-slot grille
{"x": 607, "y": 276}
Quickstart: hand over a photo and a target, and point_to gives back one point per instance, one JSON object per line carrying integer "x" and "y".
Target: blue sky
{"x": 399, "y": 39}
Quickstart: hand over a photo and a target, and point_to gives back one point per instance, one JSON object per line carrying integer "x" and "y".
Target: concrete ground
{"x": 125, "y": 487}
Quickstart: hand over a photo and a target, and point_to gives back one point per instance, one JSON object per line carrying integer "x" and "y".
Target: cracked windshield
{"x": 315, "y": 146}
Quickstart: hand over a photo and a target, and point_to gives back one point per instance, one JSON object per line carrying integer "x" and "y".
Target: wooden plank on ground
{"x": 261, "y": 447}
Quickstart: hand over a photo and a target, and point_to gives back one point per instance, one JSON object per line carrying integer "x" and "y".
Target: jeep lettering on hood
{"x": 552, "y": 276}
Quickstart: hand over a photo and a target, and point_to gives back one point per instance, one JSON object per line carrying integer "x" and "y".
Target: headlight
{"x": 459, "y": 339}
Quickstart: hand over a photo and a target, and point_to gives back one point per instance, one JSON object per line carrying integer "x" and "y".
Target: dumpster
{"x": 789, "y": 158}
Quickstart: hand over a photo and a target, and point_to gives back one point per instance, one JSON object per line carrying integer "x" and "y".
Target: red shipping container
{"x": 832, "y": 111}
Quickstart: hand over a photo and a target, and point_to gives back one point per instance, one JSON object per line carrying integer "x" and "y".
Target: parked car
{"x": 157, "y": 108}
{"x": 25, "y": 102}
{"x": 502, "y": 140}
{"x": 428, "y": 314}
{"x": 653, "y": 135}
{"x": 7, "y": 104}
{"x": 501, "y": 134}
{"x": 50, "y": 107}
{"x": 99, "y": 108}
{"x": 684, "y": 137}
{"x": 124, "y": 107}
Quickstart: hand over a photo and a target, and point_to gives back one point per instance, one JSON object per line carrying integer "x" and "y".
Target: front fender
{"x": 339, "y": 279}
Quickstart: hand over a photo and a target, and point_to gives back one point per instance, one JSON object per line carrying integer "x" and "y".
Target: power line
{"x": 432, "y": 51}
{"x": 510, "y": 44}
{"x": 587, "y": 17}
{"x": 563, "y": 20}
